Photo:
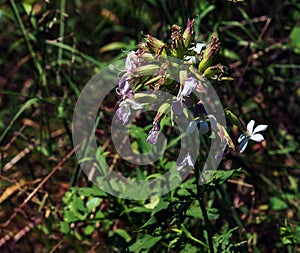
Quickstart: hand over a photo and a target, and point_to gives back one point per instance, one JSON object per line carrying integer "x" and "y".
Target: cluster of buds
{"x": 148, "y": 68}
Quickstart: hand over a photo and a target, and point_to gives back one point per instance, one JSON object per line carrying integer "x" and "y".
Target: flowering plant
{"x": 149, "y": 68}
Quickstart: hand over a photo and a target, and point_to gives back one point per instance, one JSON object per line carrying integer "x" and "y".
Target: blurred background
{"x": 50, "y": 49}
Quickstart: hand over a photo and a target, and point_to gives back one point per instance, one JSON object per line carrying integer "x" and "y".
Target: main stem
{"x": 200, "y": 198}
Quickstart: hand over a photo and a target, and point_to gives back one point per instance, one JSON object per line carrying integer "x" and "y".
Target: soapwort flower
{"x": 188, "y": 86}
{"x": 124, "y": 110}
{"x": 124, "y": 88}
{"x": 251, "y": 134}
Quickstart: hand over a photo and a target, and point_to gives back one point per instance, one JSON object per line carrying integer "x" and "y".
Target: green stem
{"x": 200, "y": 198}
{"x": 36, "y": 61}
{"x": 61, "y": 38}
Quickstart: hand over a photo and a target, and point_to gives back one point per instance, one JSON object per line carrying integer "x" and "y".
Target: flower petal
{"x": 190, "y": 161}
{"x": 242, "y": 137}
{"x": 250, "y": 126}
{"x": 260, "y": 128}
{"x": 244, "y": 144}
{"x": 131, "y": 61}
{"x": 189, "y": 85}
{"x": 124, "y": 88}
{"x": 198, "y": 48}
{"x": 257, "y": 137}
{"x": 186, "y": 161}
{"x": 191, "y": 59}
{"x": 123, "y": 112}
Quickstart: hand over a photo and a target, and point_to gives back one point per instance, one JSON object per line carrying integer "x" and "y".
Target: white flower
{"x": 198, "y": 48}
{"x": 131, "y": 61}
{"x": 189, "y": 86}
{"x": 124, "y": 111}
{"x": 251, "y": 135}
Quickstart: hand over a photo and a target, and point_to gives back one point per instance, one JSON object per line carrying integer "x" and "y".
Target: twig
{"x": 57, "y": 167}
{"x": 56, "y": 246}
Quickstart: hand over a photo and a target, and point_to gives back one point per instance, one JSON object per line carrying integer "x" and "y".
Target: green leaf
{"x": 156, "y": 213}
{"x": 145, "y": 243}
{"x": 93, "y": 203}
{"x": 277, "y": 204}
{"x": 69, "y": 216}
{"x": 64, "y": 227}
{"x": 295, "y": 37}
{"x": 123, "y": 234}
{"x": 89, "y": 229}
{"x": 137, "y": 209}
{"x": 219, "y": 177}
{"x": 27, "y": 105}
{"x": 116, "y": 46}
{"x": 91, "y": 191}
{"x": 99, "y": 215}
{"x": 195, "y": 212}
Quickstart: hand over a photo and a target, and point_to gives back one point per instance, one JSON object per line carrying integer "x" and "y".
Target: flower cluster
{"x": 148, "y": 68}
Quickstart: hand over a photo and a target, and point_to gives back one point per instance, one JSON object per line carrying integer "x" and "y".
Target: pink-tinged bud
{"x": 155, "y": 45}
{"x": 209, "y": 54}
{"x": 188, "y": 33}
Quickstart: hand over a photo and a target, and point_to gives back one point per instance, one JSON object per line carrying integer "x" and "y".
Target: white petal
{"x": 190, "y": 161}
{"x": 242, "y": 137}
{"x": 257, "y": 137}
{"x": 250, "y": 126}
{"x": 260, "y": 128}
{"x": 191, "y": 59}
{"x": 198, "y": 48}
{"x": 243, "y": 145}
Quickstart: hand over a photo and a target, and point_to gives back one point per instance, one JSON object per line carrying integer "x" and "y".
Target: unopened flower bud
{"x": 155, "y": 45}
{"x": 188, "y": 33}
{"x": 234, "y": 120}
{"x": 144, "y": 70}
{"x": 177, "y": 42}
{"x": 209, "y": 54}
{"x": 214, "y": 72}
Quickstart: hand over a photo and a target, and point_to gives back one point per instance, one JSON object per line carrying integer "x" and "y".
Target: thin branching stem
{"x": 200, "y": 198}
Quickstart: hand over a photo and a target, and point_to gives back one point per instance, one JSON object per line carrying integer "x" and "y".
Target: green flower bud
{"x": 234, "y": 120}
{"x": 214, "y": 72}
{"x": 209, "y": 54}
{"x": 149, "y": 69}
{"x": 177, "y": 42}
{"x": 155, "y": 45}
{"x": 188, "y": 33}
